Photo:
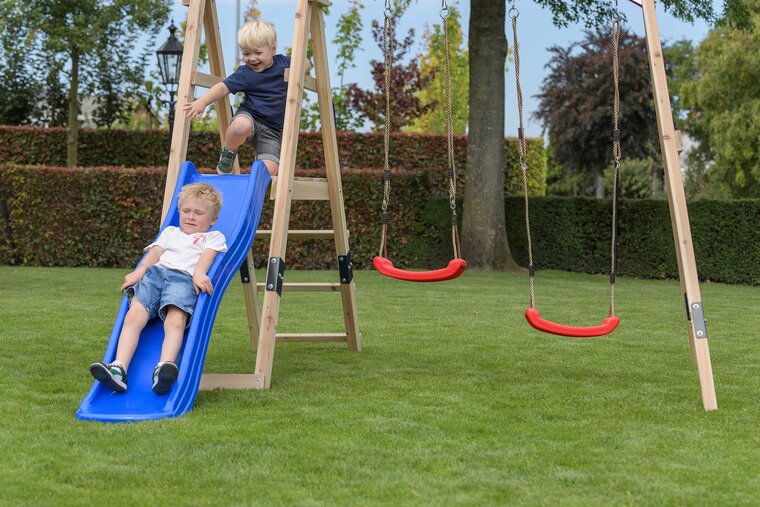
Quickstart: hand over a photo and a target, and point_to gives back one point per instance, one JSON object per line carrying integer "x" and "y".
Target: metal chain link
{"x": 616, "y": 152}
{"x": 514, "y": 13}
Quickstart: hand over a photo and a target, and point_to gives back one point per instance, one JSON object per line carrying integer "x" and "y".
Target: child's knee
{"x": 272, "y": 166}
{"x": 175, "y": 318}
{"x": 240, "y": 127}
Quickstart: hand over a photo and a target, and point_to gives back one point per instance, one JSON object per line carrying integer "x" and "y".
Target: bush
{"x": 149, "y": 148}
{"x": 105, "y": 216}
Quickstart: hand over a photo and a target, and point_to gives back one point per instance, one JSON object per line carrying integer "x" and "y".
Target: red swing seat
{"x": 455, "y": 268}
{"x": 607, "y": 326}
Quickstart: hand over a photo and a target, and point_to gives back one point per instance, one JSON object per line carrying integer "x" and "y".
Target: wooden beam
{"x": 308, "y": 82}
{"x": 332, "y": 166}
{"x": 679, "y": 216}
{"x": 281, "y": 213}
{"x": 205, "y": 80}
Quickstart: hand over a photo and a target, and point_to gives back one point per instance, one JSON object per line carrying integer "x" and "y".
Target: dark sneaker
{"x": 226, "y": 158}
{"x": 111, "y": 375}
{"x": 164, "y": 377}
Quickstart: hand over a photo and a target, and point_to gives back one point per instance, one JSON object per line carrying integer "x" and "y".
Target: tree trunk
{"x": 484, "y": 231}
{"x": 72, "y": 136}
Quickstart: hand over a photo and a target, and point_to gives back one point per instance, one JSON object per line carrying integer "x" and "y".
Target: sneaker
{"x": 164, "y": 377}
{"x": 111, "y": 375}
{"x": 226, "y": 158}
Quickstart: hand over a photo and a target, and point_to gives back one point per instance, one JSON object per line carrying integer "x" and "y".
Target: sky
{"x": 535, "y": 30}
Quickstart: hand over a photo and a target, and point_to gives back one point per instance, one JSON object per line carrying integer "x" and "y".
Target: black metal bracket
{"x": 245, "y": 275}
{"x": 275, "y": 275}
{"x": 346, "y": 268}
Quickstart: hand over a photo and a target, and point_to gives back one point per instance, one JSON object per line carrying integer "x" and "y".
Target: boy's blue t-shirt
{"x": 265, "y": 91}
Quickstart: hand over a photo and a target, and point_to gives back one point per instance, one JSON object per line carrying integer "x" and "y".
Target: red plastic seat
{"x": 534, "y": 319}
{"x": 455, "y": 268}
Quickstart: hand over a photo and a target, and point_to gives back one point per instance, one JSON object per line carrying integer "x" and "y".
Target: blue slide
{"x": 243, "y": 197}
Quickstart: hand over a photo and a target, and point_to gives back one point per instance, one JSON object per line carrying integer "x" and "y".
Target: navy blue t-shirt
{"x": 265, "y": 91}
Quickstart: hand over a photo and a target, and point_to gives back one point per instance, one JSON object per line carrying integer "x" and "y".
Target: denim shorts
{"x": 163, "y": 287}
{"x": 265, "y": 141}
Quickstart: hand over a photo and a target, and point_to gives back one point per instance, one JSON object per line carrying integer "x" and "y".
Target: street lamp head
{"x": 170, "y": 59}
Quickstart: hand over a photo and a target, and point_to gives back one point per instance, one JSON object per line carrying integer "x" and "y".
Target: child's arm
{"x": 201, "y": 281}
{"x": 150, "y": 259}
{"x": 214, "y": 94}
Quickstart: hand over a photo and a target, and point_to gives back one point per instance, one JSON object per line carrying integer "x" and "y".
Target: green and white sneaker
{"x": 111, "y": 375}
{"x": 164, "y": 376}
{"x": 226, "y": 158}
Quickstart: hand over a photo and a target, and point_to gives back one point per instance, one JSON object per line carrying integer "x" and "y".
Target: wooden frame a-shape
{"x": 263, "y": 323}
{"x": 679, "y": 216}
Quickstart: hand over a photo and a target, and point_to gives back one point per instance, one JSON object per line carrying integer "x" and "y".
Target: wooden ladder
{"x": 286, "y": 187}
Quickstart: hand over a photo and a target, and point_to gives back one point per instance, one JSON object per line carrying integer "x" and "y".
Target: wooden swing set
{"x": 309, "y": 26}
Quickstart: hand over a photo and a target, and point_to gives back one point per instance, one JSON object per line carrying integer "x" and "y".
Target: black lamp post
{"x": 169, "y": 62}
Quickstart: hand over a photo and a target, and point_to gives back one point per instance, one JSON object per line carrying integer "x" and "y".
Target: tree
{"x": 79, "y": 31}
{"x": 484, "y": 239}
{"x": 484, "y": 231}
{"x": 576, "y": 104}
{"x": 719, "y": 105}
{"x": 431, "y": 64}
{"x": 348, "y": 40}
{"x": 405, "y": 83}
{"x": 19, "y": 92}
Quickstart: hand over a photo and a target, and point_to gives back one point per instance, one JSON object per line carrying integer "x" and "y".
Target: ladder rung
{"x": 311, "y": 337}
{"x": 304, "y": 189}
{"x": 308, "y": 82}
{"x": 300, "y": 234}
{"x": 307, "y": 286}
{"x": 205, "y": 80}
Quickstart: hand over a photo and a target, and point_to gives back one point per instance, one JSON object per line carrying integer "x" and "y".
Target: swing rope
{"x": 532, "y": 314}
{"x": 457, "y": 265}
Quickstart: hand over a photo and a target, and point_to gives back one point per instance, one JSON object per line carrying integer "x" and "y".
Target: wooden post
{"x": 281, "y": 214}
{"x": 332, "y": 164}
{"x": 679, "y": 217}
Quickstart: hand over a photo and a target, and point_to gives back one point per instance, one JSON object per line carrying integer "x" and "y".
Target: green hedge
{"x": 127, "y": 148}
{"x": 574, "y": 234}
{"x": 105, "y": 216}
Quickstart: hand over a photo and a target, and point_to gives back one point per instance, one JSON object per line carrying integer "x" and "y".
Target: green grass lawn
{"x": 453, "y": 400}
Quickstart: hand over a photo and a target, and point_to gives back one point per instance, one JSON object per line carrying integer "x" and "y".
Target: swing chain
{"x": 514, "y": 13}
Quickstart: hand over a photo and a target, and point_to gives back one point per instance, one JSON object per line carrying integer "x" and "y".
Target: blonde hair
{"x": 205, "y": 192}
{"x": 257, "y": 34}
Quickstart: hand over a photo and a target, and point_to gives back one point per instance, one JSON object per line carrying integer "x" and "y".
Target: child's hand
{"x": 131, "y": 279}
{"x": 202, "y": 283}
{"x": 193, "y": 109}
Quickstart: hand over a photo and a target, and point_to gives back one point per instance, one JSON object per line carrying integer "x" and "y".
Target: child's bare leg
{"x": 134, "y": 322}
{"x": 272, "y": 166}
{"x": 239, "y": 130}
{"x": 174, "y": 332}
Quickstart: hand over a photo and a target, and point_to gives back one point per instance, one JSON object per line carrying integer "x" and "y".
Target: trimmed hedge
{"x": 103, "y": 217}
{"x": 149, "y": 148}
{"x": 574, "y": 234}
{"x": 67, "y": 217}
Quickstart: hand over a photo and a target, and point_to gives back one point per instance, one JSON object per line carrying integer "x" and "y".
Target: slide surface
{"x": 243, "y": 198}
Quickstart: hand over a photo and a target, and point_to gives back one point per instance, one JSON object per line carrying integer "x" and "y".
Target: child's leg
{"x": 240, "y": 129}
{"x": 174, "y": 332}
{"x": 134, "y": 322}
{"x": 272, "y": 166}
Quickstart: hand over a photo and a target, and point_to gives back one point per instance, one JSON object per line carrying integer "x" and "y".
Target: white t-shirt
{"x": 183, "y": 251}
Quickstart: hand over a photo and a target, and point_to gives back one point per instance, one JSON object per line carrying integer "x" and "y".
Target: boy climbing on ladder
{"x": 259, "y": 120}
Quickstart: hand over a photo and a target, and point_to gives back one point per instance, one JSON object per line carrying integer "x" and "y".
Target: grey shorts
{"x": 265, "y": 141}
